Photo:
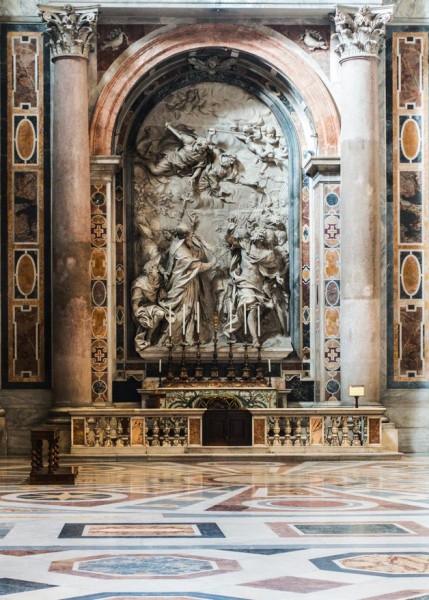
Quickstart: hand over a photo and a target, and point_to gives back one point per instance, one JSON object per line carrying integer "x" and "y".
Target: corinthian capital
{"x": 360, "y": 33}
{"x": 70, "y": 29}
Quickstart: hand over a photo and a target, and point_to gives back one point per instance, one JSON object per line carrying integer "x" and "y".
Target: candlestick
{"x": 269, "y": 365}
{"x": 160, "y": 365}
{"x": 198, "y": 317}
{"x": 230, "y": 316}
{"x": 169, "y": 320}
{"x": 245, "y": 318}
{"x": 184, "y": 319}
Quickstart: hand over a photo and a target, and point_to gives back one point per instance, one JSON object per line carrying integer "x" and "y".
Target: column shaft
{"x": 360, "y": 225}
{"x": 71, "y": 235}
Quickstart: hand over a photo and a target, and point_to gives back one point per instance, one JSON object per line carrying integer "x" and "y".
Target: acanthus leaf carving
{"x": 70, "y": 29}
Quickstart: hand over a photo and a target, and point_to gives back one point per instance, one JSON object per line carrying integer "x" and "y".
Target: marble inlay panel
{"x": 122, "y": 530}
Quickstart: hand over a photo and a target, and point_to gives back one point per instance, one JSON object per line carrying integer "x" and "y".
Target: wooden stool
{"x": 50, "y": 434}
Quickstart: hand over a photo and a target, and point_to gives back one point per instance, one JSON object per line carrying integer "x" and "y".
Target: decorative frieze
{"x": 361, "y": 33}
{"x": 71, "y": 30}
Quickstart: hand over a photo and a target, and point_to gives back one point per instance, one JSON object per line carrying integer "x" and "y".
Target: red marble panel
{"x": 78, "y": 432}
{"x": 411, "y": 340}
{"x": 411, "y": 84}
{"x": 194, "y": 431}
{"x": 374, "y": 430}
{"x": 25, "y": 74}
{"x": 25, "y": 210}
{"x": 410, "y": 192}
{"x": 258, "y": 431}
{"x": 25, "y": 348}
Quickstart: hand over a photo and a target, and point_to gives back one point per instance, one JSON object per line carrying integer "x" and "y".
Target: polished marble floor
{"x": 218, "y": 531}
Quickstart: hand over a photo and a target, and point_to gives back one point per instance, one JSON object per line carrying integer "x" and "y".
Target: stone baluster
{"x": 119, "y": 432}
{"x": 298, "y": 432}
{"x": 107, "y": 432}
{"x": 345, "y": 431}
{"x": 276, "y": 431}
{"x": 176, "y": 430}
{"x": 166, "y": 432}
{"x": 147, "y": 440}
{"x": 70, "y": 32}
{"x": 288, "y": 431}
{"x": 356, "y": 431}
{"x": 334, "y": 432}
{"x": 155, "y": 433}
{"x": 97, "y": 432}
{"x": 360, "y": 37}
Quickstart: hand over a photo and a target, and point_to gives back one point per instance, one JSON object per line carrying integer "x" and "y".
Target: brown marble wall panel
{"x": 137, "y": 432}
{"x": 120, "y": 261}
{"x": 316, "y": 431}
{"x": 25, "y": 349}
{"x": 25, "y": 253}
{"x": 410, "y": 230}
{"x": 194, "y": 432}
{"x": 411, "y": 341}
{"x": 78, "y": 432}
{"x": 410, "y": 55}
{"x": 259, "y": 432}
{"x": 374, "y": 431}
{"x": 410, "y": 208}
{"x": 25, "y": 206}
{"x": 26, "y": 70}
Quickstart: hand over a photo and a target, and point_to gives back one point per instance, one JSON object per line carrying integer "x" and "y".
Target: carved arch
{"x": 281, "y": 53}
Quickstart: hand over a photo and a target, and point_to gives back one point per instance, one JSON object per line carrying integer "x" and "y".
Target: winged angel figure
{"x": 212, "y": 64}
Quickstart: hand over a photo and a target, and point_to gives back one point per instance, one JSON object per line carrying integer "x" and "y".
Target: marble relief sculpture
{"x": 210, "y": 221}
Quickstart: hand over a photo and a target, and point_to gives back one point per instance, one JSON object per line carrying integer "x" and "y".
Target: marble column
{"x": 70, "y": 32}
{"x": 360, "y": 37}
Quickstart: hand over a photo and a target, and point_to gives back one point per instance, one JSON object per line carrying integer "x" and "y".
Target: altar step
{"x": 291, "y": 454}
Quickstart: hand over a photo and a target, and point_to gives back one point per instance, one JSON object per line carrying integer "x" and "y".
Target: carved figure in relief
{"x": 263, "y": 143}
{"x": 314, "y": 40}
{"x": 209, "y": 184}
{"x": 189, "y": 158}
{"x": 114, "y": 40}
{"x": 253, "y": 265}
{"x": 146, "y": 294}
{"x": 188, "y": 271}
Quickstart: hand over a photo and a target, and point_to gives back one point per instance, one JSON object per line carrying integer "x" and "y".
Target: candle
{"x": 160, "y": 365}
{"x": 198, "y": 317}
{"x": 259, "y": 321}
{"x": 269, "y": 365}
{"x": 230, "y": 316}
{"x": 169, "y": 320}
{"x": 245, "y": 318}
{"x": 184, "y": 319}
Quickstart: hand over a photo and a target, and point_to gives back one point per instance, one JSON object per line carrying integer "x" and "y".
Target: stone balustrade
{"x": 287, "y": 430}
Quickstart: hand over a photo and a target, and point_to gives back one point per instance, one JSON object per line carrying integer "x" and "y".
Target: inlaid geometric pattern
{"x": 155, "y": 530}
{"x": 25, "y": 258}
{"x": 231, "y": 530}
{"x": 410, "y": 228}
{"x": 99, "y": 269}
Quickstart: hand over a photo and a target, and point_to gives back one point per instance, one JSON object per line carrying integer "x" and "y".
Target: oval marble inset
{"x": 25, "y": 139}
{"x": 410, "y": 139}
{"x": 26, "y": 275}
{"x": 332, "y": 264}
{"x": 99, "y": 323}
{"x": 99, "y": 293}
{"x": 332, "y": 293}
{"x": 98, "y": 264}
{"x": 411, "y": 275}
{"x": 332, "y": 322}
